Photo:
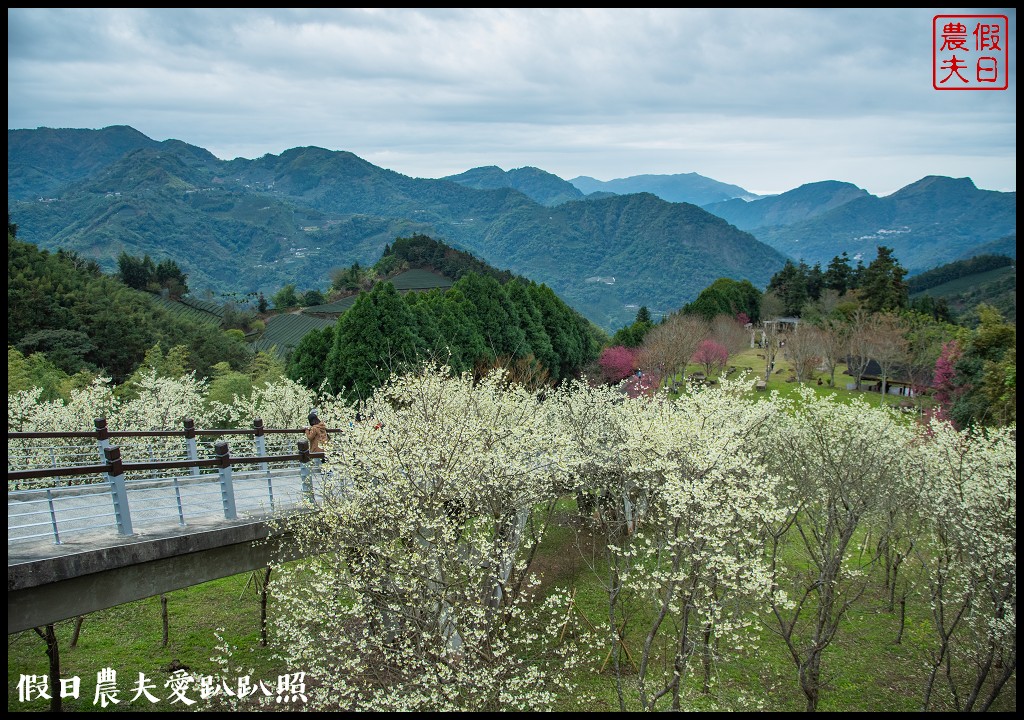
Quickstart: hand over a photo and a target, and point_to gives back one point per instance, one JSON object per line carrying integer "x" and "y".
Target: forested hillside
{"x": 964, "y": 285}
{"x": 486, "y": 318}
{"x": 929, "y": 222}
{"x": 297, "y": 216}
{"x": 78, "y": 319}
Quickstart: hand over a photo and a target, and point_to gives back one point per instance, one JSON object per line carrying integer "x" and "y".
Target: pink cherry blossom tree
{"x": 712, "y": 355}
{"x": 617, "y": 363}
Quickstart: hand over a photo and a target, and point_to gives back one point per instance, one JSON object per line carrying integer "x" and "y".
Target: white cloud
{"x": 765, "y": 99}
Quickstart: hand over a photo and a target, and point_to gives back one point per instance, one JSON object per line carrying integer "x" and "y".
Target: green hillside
{"x": 194, "y": 310}
{"x": 997, "y": 287}
{"x": 932, "y": 221}
{"x": 255, "y": 225}
{"x": 64, "y": 307}
{"x": 284, "y": 332}
{"x": 419, "y": 279}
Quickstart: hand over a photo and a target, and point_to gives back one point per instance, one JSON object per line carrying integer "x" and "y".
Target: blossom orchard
{"x": 416, "y": 593}
{"x": 707, "y": 516}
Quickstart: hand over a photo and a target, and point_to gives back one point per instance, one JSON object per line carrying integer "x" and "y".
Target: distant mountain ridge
{"x": 802, "y": 203}
{"x": 932, "y": 221}
{"x": 246, "y": 225}
{"x": 683, "y": 187}
{"x": 537, "y": 184}
{"x": 40, "y": 163}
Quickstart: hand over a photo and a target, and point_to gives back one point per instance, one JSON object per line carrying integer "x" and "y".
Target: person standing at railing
{"x": 316, "y": 433}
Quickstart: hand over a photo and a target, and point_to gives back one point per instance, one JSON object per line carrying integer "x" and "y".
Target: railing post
{"x": 261, "y": 450}
{"x": 115, "y": 473}
{"x": 261, "y": 441}
{"x": 307, "y": 483}
{"x": 53, "y": 517}
{"x": 102, "y": 437}
{"x": 227, "y": 488}
{"x": 53, "y": 463}
{"x": 177, "y": 498}
{"x": 190, "y": 444}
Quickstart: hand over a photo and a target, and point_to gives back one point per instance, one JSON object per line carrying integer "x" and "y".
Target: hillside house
{"x": 901, "y": 380}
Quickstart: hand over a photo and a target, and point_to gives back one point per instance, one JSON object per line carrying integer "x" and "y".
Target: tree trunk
{"x": 77, "y": 631}
{"x": 263, "y": 609}
{"x": 163, "y": 617}
{"x": 53, "y": 653}
{"x": 903, "y": 619}
{"x": 707, "y": 659}
{"x": 810, "y": 680}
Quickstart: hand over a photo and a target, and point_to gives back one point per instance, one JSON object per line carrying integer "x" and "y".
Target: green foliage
{"x": 472, "y": 325}
{"x": 986, "y": 374}
{"x": 349, "y": 279}
{"x": 226, "y": 384}
{"x": 37, "y": 371}
{"x": 444, "y": 325}
{"x": 790, "y": 285}
{"x": 170, "y": 364}
{"x": 66, "y": 349}
{"x": 135, "y": 272}
{"x": 307, "y": 363}
{"x": 143, "y": 274}
{"x": 882, "y": 287}
{"x": 285, "y": 297}
{"x": 373, "y": 339}
{"x": 956, "y": 270}
{"x": 632, "y": 335}
{"x": 839, "y": 276}
{"x": 312, "y": 297}
{"x": 422, "y": 251}
{"x": 490, "y": 309}
{"x": 936, "y": 308}
{"x": 727, "y": 297}
{"x": 89, "y": 321}
{"x": 575, "y": 341}
{"x": 237, "y": 318}
{"x": 958, "y": 298}
{"x": 532, "y": 323}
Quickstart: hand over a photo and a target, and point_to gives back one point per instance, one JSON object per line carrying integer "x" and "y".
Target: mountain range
{"x": 255, "y": 225}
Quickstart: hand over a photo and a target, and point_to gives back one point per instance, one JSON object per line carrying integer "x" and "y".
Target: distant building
{"x": 781, "y": 324}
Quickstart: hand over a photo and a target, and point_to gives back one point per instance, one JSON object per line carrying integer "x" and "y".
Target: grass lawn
{"x": 128, "y": 638}
{"x": 864, "y": 669}
{"x": 783, "y": 381}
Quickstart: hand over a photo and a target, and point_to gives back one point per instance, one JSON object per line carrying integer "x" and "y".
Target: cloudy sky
{"x": 764, "y": 99}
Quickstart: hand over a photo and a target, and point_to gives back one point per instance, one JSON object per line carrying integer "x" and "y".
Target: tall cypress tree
{"x": 491, "y": 310}
{"x": 881, "y": 285}
{"x": 375, "y": 337}
{"x": 839, "y": 275}
{"x": 533, "y": 326}
{"x": 458, "y": 338}
{"x": 307, "y": 363}
{"x": 570, "y": 336}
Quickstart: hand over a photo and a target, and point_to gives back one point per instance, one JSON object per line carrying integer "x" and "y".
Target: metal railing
{"x": 33, "y": 450}
{"x": 173, "y": 486}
